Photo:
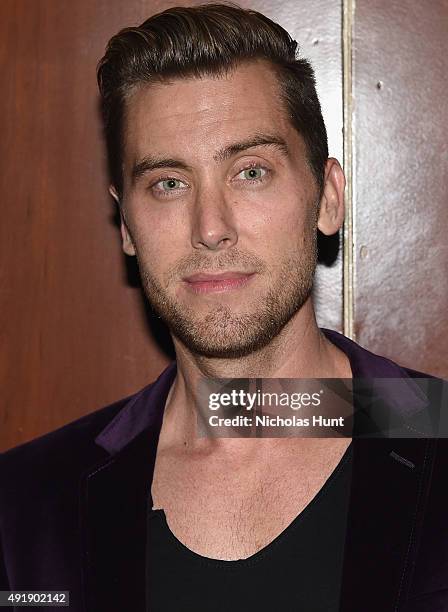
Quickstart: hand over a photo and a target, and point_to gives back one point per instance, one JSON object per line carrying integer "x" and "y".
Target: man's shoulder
{"x": 70, "y": 448}
{"x": 367, "y": 364}
{"x": 417, "y": 374}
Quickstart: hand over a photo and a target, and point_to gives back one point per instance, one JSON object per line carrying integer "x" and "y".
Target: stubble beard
{"x": 222, "y": 333}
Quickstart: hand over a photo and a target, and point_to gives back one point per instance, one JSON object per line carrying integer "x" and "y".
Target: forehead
{"x": 200, "y": 114}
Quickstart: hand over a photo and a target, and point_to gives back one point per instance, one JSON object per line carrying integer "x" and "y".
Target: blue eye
{"x": 252, "y": 174}
{"x": 170, "y": 184}
{"x": 168, "y": 187}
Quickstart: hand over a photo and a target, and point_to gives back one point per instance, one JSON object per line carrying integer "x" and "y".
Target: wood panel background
{"x": 400, "y": 149}
{"x": 74, "y": 330}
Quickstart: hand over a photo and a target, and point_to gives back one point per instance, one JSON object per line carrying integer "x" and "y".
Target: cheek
{"x": 286, "y": 229}
{"x": 282, "y": 220}
{"x": 158, "y": 239}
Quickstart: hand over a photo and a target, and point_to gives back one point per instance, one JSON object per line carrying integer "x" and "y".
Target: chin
{"x": 232, "y": 350}
{"x": 224, "y": 340}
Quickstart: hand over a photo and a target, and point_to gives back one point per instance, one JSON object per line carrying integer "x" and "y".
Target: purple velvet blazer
{"x": 73, "y": 507}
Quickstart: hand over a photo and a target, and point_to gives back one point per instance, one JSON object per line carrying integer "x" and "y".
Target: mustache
{"x": 234, "y": 259}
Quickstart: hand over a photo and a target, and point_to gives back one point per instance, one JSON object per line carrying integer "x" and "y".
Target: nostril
{"x": 213, "y": 241}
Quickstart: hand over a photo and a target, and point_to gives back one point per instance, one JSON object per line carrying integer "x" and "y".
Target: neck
{"x": 300, "y": 351}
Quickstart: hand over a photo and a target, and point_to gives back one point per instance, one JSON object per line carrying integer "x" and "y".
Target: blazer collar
{"x": 385, "y": 505}
{"x": 145, "y": 409}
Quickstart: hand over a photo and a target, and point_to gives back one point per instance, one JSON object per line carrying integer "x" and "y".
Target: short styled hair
{"x": 207, "y": 40}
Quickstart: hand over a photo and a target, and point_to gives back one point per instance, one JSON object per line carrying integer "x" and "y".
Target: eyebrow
{"x": 150, "y": 162}
{"x": 259, "y": 140}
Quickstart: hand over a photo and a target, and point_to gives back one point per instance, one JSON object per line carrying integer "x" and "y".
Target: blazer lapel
{"x": 115, "y": 501}
{"x": 389, "y": 484}
{"x": 390, "y": 481}
{"x": 115, "y": 498}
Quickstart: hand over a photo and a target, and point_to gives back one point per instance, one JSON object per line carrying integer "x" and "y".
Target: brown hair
{"x": 205, "y": 40}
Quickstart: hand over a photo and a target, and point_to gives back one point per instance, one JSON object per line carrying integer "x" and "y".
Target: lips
{"x": 215, "y": 276}
{"x": 205, "y": 282}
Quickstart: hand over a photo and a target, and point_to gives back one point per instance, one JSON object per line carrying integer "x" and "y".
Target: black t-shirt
{"x": 300, "y": 570}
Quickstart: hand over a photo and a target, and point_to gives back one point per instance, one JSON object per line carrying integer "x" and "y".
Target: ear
{"x": 127, "y": 242}
{"x": 331, "y": 212}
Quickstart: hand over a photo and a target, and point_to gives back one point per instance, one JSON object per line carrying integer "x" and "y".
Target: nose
{"x": 213, "y": 223}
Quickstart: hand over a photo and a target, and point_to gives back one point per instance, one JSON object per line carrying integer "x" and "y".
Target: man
{"x": 220, "y": 169}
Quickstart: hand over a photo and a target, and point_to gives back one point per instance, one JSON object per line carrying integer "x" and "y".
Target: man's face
{"x": 216, "y": 183}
